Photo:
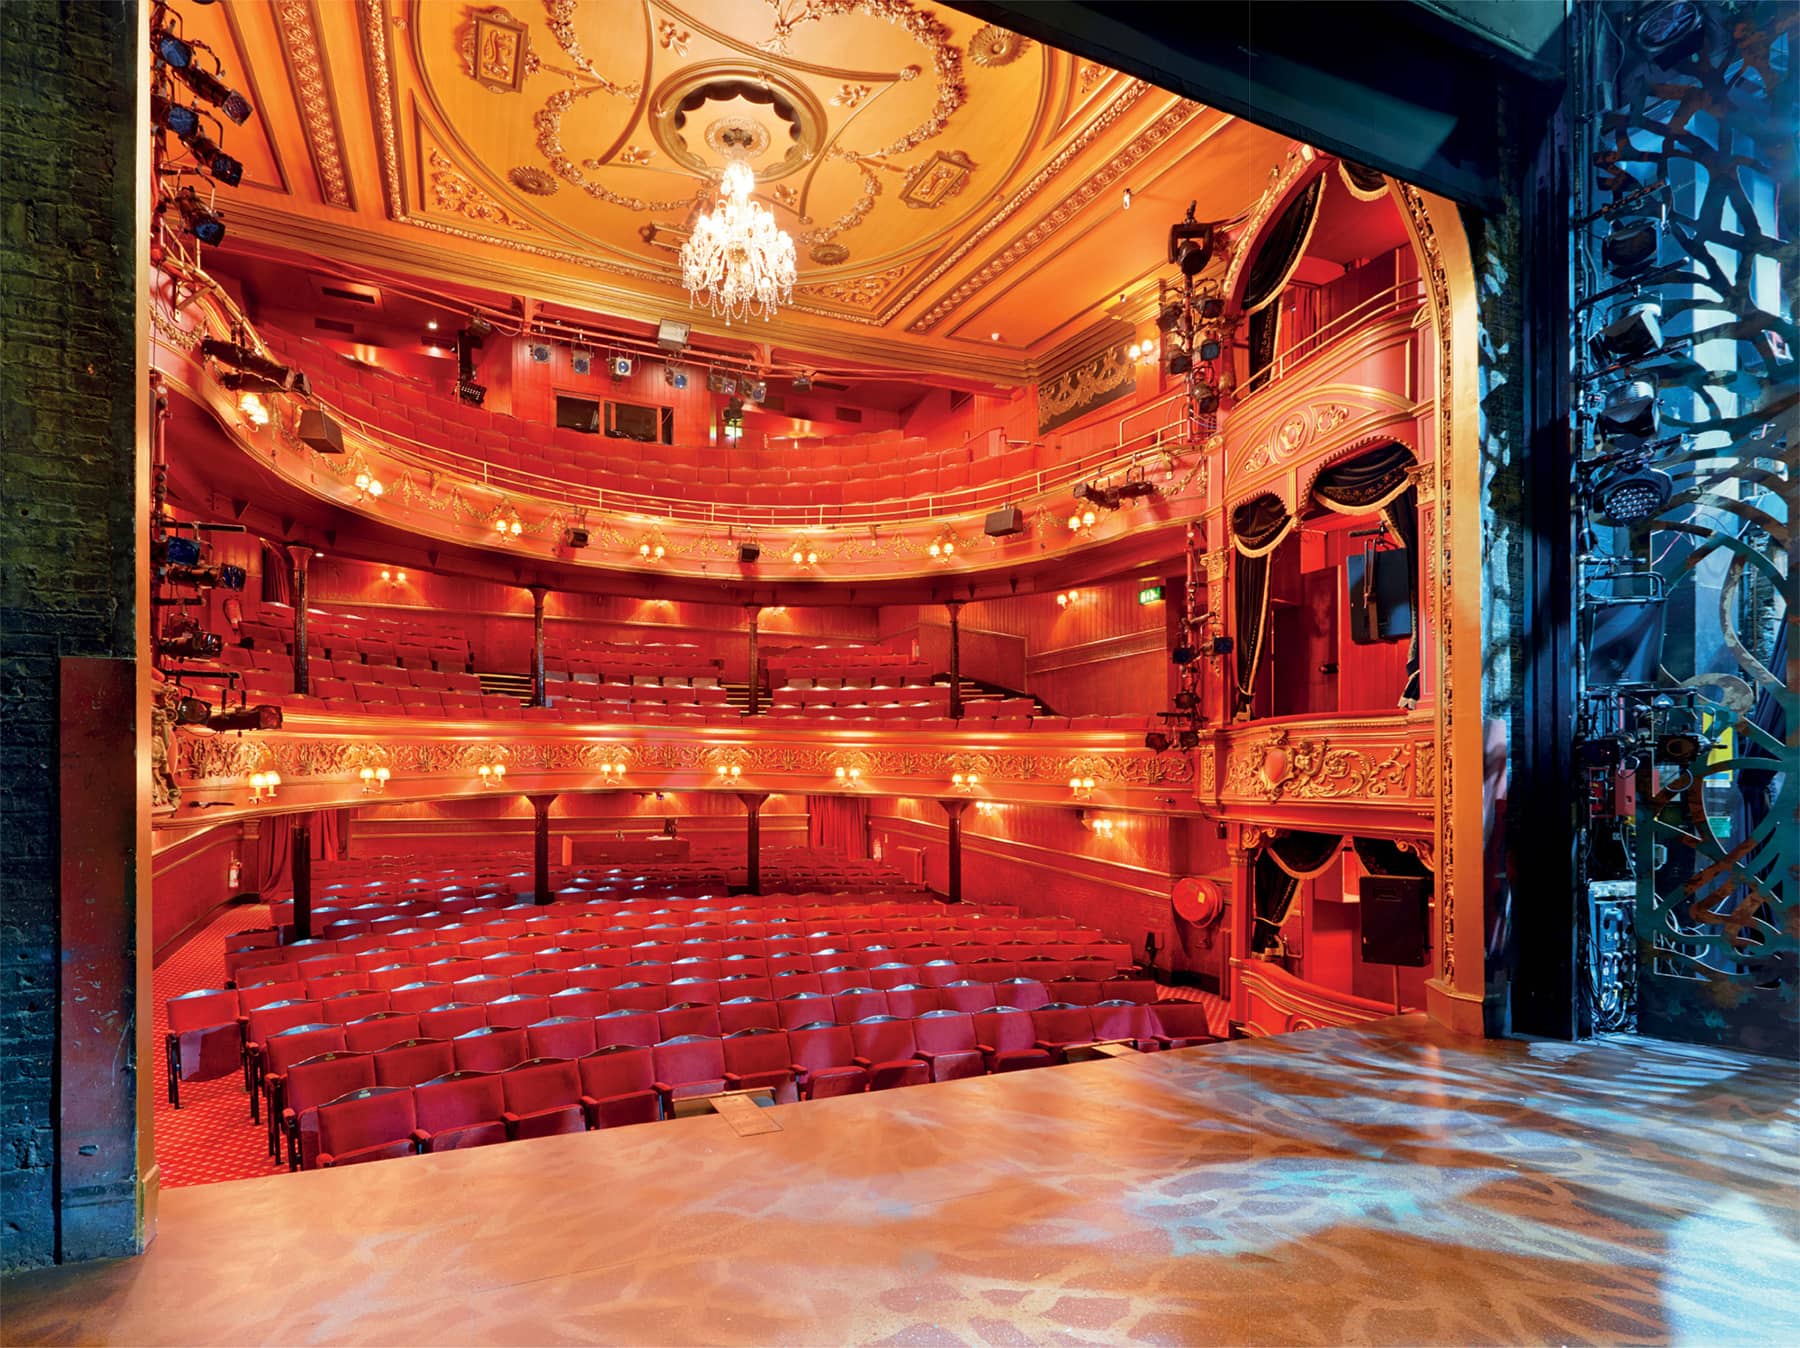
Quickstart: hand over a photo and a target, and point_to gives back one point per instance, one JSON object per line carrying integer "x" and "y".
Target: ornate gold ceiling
{"x": 944, "y": 180}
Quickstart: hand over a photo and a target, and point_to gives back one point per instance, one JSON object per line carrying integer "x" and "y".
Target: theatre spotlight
{"x": 1632, "y": 495}
{"x": 1205, "y": 398}
{"x": 199, "y": 220}
{"x": 1170, "y": 317}
{"x": 1190, "y": 244}
{"x": 1635, "y": 331}
{"x": 190, "y": 644}
{"x": 1188, "y": 739}
{"x": 255, "y": 371}
{"x": 1629, "y": 248}
{"x": 179, "y": 118}
{"x": 257, "y": 716}
{"x": 175, "y": 550}
{"x": 1182, "y": 654}
{"x": 468, "y": 391}
{"x": 1682, "y": 747}
{"x": 1156, "y": 741}
{"x": 1631, "y": 411}
{"x": 1180, "y": 362}
{"x": 1186, "y": 700}
{"x": 209, "y": 86}
{"x": 1669, "y": 32}
{"x": 192, "y": 711}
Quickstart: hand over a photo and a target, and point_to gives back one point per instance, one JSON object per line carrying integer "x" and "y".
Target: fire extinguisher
{"x": 235, "y": 874}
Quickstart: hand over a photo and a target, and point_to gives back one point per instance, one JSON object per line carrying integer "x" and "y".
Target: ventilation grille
{"x": 335, "y": 325}
{"x": 352, "y": 296}
{"x": 847, "y": 413}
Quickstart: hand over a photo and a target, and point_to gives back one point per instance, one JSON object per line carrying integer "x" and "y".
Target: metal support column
{"x": 299, "y": 556}
{"x": 540, "y": 844}
{"x": 956, "y": 702}
{"x": 755, "y": 704}
{"x": 753, "y": 803}
{"x": 537, "y": 649}
{"x": 954, "y": 809}
{"x": 300, "y": 867}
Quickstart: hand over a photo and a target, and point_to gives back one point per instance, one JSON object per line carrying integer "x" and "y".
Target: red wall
{"x": 191, "y": 880}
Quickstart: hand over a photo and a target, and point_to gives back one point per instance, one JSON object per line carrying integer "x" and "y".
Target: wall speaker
{"x": 575, "y": 538}
{"x": 749, "y": 552}
{"x": 1394, "y": 919}
{"x": 1380, "y": 597}
{"x": 1004, "y": 522}
{"x": 318, "y": 431}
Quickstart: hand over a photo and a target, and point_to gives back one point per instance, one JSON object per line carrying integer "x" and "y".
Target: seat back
{"x": 1060, "y": 1023}
{"x": 859, "y": 1004}
{"x": 288, "y": 1047}
{"x": 489, "y": 1049}
{"x": 617, "y": 1069}
{"x": 202, "y": 1010}
{"x": 746, "y": 1013}
{"x": 313, "y": 1081}
{"x": 966, "y": 995}
{"x": 269, "y": 1020}
{"x": 1181, "y": 1020}
{"x": 944, "y": 1032}
{"x": 585, "y": 1002}
{"x": 1005, "y": 1028}
{"x": 414, "y": 997}
{"x": 541, "y": 1083}
{"x": 1119, "y": 1020}
{"x": 561, "y": 1037}
{"x": 911, "y": 1000}
{"x": 515, "y": 1010}
{"x": 818, "y": 1046}
{"x": 459, "y": 1099}
{"x": 1025, "y": 993}
{"x": 688, "y": 1018}
{"x": 805, "y": 1008}
{"x": 625, "y": 1027}
{"x": 756, "y": 1050}
{"x": 376, "y": 1032}
{"x": 373, "y": 1116}
{"x": 450, "y": 1020}
{"x": 412, "y": 1061}
{"x": 688, "y": 1059}
{"x": 883, "y": 1038}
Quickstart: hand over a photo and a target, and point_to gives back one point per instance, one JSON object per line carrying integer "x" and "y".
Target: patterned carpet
{"x": 210, "y": 1138}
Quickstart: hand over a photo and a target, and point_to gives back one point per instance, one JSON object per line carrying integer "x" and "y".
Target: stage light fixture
{"x": 749, "y": 552}
{"x": 1156, "y": 741}
{"x": 192, "y": 711}
{"x": 1190, "y": 244}
{"x": 179, "y": 118}
{"x": 1187, "y": 739}
{"x": 252, "y": 370}
{"x": 214, "y": 90}
{"x": 1182, "y": 654}
{"x": 190, "y": 644}
{"x": 1205, "y": 398}
{"x": 197, "y": 219}
{"x": 1186, "y": 700}
{"x": 174, "y": 550}
{"x": 1631, "y": 411}
{"x": 1635, "y": 332}
{"x": 1669, "y": 32}
{"x": 1629, "y": 248}
{"x": 1680, "y": 748}
{"x": 1221, "y": 646}
{"x": 257, "y": 716}
{"x": 471, "y": 393}
{"x": 1180, "y": 362}
{"x": 803, "y": 383}
{"x": 1169, "y": 318}
{"x": 575, "y": 538}
{"x": 172, "y": 51}
{"x": 1633, "y": 495}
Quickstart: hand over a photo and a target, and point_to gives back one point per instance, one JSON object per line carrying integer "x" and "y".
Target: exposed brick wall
{"x": 67, "y": 298}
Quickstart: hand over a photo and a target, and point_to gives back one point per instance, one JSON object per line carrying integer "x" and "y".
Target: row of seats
{"x": 424, "y": 639}
{"x": 629, "y": 662}
{"x": 570, "y": 1074}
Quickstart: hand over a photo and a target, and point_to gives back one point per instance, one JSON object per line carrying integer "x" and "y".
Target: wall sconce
{"x": 942, "y": 548}
{"x": 253, "y": 409}
{"x": 393, "y": 577}
{"x": 847, "y": 776}
{"x": 374, "y": 780}
{"x": 263, "y": 785}
{"x": 986, "y": 807}
{"x": 1068, "y": 597}
{"x": 492, "y": 775}
{"x": 368, "y": 486}
{"x": 507, "y": 525}
{"x": 965, "y": 781}
{"x": 652, "y": 549}
{"x": 804, "y": 554}
{"x": 1083, "y": 787}
{"x": 730, "y": 772}
{"x": 613, "y": 770}
{"x": 1143, "y": 353}
{"x": 1082, "y": 521}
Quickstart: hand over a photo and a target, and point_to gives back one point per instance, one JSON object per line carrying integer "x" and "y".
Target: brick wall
{"x": 67, "y": 346}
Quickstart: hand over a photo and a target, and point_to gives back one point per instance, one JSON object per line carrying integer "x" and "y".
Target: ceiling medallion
{"x": 828, "y": 254}
{"x": 995, "y": 46}
{"x": 714, "y": 112}
{"x": 738, "y": 262}
{"x": 533, "y": 180}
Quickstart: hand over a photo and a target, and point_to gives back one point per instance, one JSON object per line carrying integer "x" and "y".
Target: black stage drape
{"x": 1257, "y": 528}
{"x": 1278, "y": 252}
{"x": 1380, "y": 480}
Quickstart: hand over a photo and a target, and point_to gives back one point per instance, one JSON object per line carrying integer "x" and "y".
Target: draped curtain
{"x": 1365, "y": 183}
{"x": 277, "y": 584}
{"x": 839, "y": 824}
{"x": 275, "y": 847}
{"x": 1378, "y": 481}
{"x": 1278, "y": 252}
{"x": 1281, "y": 865}
{"x": 1257, "y": 528}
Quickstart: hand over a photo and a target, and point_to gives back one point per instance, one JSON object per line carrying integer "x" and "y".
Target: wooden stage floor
{"x": 1389, "y": 1184}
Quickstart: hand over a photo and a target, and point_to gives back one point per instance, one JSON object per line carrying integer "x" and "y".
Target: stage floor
{"x": 1389, "y": 1184}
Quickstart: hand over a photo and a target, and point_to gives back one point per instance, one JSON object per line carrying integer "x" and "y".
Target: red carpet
{"x": 210, "y": 1138}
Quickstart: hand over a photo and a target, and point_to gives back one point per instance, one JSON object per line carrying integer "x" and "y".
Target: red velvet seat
{"x": 460, "y": 1109}
{"x": 515, "y": 1011}
{"x": 413, "y": 1061}
{"x": 688, "y": 1067}
{"x": 640, "y": 996}
{"x": 1027, "y": 994}
{"x": 806, "y": 1008}
{"x": 1183, "y": 1024}
{"x": 618, "y": 1086}
{"x": 578, "y": 1001}
{"x": 626, "y": 1027}
{"x": 1123, "y": 1022}
{"x": 911, "y": 1000}
{"x": 1008, "y": 1039}
{"x": 543, "y": 1098}
{"x": 966, "y": 995}
{"x": 374, "y": 1033}
{"x": 311, "y": 1083}
{"x": 825, "y": 1061}
{"x": 859, "y": 1004}
{"x": 945, "y": 1041}
{"x": 370, "y": 1124}
{"x": 281, "y": 1052}
{"x": 759, "y": 1058}
{"x": 886, "y": 1050}
{"x": 561, "y": 1037}
{"x": 205, "y": 1040}
{"x": 489, "y": 1049}
{"x": 1060, "y": 1026}
{"x": 746, "y": 1013}
{"x": 688, "y": 1018}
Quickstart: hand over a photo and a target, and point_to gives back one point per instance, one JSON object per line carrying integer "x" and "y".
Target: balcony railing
{"x": 1400, "y": 301}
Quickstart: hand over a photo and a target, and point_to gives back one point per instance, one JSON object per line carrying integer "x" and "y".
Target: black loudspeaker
{"x": 320, "y": 432}
{"x": 1004, "y": 522}
{"x": 749, "y": 552}
{"x": 1381, "y": 598}
{"x": 1394, "y": 919}
{"x": 575, "y": 538}
{"x": 1625, "y": 640}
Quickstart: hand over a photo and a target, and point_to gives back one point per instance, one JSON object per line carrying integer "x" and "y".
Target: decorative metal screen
{"x": 1685, "y": 275}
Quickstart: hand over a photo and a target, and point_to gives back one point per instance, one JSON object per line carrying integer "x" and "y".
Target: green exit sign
{"x": 1150, "y": 594}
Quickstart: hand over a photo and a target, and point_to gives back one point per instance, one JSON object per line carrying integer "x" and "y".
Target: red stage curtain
{"x": 274, "y": 856}
{"x": 839, "y": 824}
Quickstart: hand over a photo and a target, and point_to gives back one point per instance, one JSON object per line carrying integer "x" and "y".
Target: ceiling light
{"x": 994, "y": 336}
{"x": 738, "y": 262}
{"x": 1125, "y": 200}
{"x": 431, "y": 325}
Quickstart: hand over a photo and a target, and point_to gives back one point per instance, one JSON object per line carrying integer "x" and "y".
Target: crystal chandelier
{"x": 738, "y": 262}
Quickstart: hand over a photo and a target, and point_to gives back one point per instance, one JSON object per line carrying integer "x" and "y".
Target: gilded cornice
{"x": 309, "y": 72}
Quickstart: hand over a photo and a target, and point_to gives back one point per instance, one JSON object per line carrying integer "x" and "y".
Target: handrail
{"x": 1402, "y": 297}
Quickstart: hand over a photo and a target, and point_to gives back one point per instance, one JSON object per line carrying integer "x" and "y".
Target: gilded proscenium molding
{"x": 1371, "y": 760}
{"x": 297, "y": 23}
{"x": 1101, "y": 379}
{"x": 1298, "y": 161}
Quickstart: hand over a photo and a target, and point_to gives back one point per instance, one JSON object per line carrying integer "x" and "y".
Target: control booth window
{"x": 578, "y": 414}
{"x": 636, "y": 421}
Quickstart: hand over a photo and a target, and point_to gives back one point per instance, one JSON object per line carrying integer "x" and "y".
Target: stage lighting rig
{"x": 199, "y": 219}
{"x": 1634, "y": 332}
{"x": 251, "y": 716}
{"x": 1190, "y": 243}
{"x": 250, "y": 370}
{"x": 1631, "y": 412}
{"x": 222, "y": 576}
{"x": 188, "y": 642}
{"x": 181, "y": 55}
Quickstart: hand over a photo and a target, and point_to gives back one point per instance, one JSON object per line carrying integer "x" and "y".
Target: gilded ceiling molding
{"x": 377, "y": 58}
{"x": 1101, "y": 379}
{"x": 1023, "y": 245}
{"x": 1132, "y": 94}
{"x": 297, "y": 23}
{"x": 456, "y": 193}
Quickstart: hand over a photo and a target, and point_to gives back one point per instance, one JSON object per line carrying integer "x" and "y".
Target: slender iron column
{"x": 537, "y": 650}
{"x": 755, "y": 706}
{"x": 753, "y": 803}
{"x": 540, "y": 844}
{"x": 299, "y": 557}
{"x": 300, "y": 867}
{"x": 954, "y": 809}
{"x": 956, "y": 702}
